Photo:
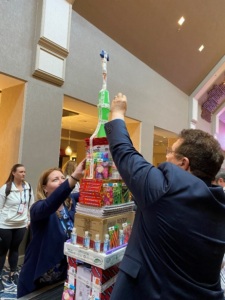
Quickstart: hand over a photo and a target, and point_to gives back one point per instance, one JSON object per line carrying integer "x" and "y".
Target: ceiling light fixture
{"x": 181, "y": 21}
{"x": 201, "y": 48}
{"x": 68, "y": 149}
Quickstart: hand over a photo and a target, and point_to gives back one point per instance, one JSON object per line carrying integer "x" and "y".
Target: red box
{"x": 70, "y": 283}
{"x": 103, "y": 281}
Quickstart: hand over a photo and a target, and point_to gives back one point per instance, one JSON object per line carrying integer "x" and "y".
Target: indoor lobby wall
{"x": 40, "y": 146}
{"x": 151, "y": 99}
{"x": 146, "y": 90}
{"x": 11, "y": 109}
{"x": 42, "y": 109}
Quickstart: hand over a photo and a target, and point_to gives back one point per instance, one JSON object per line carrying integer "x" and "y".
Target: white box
{"x": 83, "y": 282}
{"x": 91, "y": 257}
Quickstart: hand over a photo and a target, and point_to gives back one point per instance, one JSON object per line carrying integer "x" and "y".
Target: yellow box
{"x": 97, "y": 225}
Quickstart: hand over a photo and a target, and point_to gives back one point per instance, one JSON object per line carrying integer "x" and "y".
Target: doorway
{"x": 11, "y": 110}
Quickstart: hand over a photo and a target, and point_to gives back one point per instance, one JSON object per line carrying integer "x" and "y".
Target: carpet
{"x": 10, "y": 290}
{"x": 53, "y": 292}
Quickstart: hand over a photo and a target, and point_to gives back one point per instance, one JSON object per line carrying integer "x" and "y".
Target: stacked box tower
{"x": 104, "y": 215}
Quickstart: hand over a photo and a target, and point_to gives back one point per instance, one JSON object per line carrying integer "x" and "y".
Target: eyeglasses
{"x": 169, "y": 150}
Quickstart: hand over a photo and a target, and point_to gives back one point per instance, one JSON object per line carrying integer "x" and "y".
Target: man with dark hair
{"x": 220, "y": 179}
{"x": 177, "y": 243}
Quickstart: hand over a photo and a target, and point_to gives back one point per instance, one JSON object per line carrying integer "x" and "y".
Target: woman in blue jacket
{"x": 51, "y": 225}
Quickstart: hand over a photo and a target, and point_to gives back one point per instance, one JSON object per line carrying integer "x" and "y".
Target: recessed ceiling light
{"x": 201, "y": 48}
{"x": 181, "y": 21}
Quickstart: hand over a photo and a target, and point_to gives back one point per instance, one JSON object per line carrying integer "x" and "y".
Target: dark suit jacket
{"x": 46, "y": 247}
{"x": 178, "y": 237}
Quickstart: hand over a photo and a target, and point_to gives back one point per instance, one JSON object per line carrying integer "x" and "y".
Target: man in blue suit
{"x": 178, "y": 238}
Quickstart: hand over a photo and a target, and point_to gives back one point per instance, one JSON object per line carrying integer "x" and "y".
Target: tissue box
{"x": 93, "y": 258}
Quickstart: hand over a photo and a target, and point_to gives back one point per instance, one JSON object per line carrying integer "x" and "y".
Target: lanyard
{"x": 65, "y": 221}
{"x": 24, "y": 194}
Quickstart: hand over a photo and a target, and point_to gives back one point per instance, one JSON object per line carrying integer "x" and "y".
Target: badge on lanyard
{"x": 21, "y": 208}
{"x": 22, "y": 205}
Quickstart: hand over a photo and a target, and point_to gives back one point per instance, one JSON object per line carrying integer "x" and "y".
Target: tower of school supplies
{"x": 103, "y": 219}
{"x": 104, "y": 202}
{"x": 90, "y": 280}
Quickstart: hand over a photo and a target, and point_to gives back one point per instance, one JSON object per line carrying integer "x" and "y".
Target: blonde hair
{"x": 69, "y": 167}
{"x": 43, "y": 180}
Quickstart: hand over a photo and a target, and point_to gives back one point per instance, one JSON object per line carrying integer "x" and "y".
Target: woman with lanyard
{"x": 51, "y": 225}
{"x": 68, "y": 168}
{"x": 16, "y": 197}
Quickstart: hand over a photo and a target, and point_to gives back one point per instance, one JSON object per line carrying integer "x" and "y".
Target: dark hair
{"x": 203, "y": 151}
{"x": 13, "y": 170}
{"x": 11, "y": 176}
{"x": 221, "y": 174}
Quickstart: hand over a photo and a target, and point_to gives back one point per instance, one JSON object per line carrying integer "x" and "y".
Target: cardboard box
{"x": 89, "y": 280}
{"x": 71, "y": 271}
{"x": 83, "y": 282}
{"x": 99, "y": 192}
{"x": 103, "y": 295}
{"x": 101, "y": 260}
{"x": 101, "y": 279}
{"x": 97, "y": 225}
{"x": 70, "y": 283}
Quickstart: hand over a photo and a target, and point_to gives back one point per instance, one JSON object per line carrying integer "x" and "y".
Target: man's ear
{"x": 184, "y": 163}
{"x": 220, "y": 181}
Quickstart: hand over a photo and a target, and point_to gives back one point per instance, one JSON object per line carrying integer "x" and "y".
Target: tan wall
{"x": 159, "y": 154}
{"x": 81, "y": 152}
{"x": 171, "y": 141}
{"x": 134, "y": 131}
{"x": 10, "y": 128}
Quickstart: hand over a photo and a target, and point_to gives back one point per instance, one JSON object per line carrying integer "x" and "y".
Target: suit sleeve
{"x": 146, "y": 183}
{"x": 41, "y": 209}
